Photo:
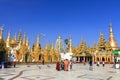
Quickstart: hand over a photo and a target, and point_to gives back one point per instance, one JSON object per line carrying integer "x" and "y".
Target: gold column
{"x": 105, "y": 58}
{"x": 93, "y": 58}
{"x": 78, "y": 58}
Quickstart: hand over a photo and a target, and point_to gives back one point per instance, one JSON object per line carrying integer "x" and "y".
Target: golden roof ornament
{"x": 13, "y": 41}
{"x": 8, "y": 40}
{"x": 112, "y": 41}
{"x": 38, "y": 41}
{"x": 47, "y": 44}
{"x": 27, "y": 43}
{"x": 25, "y": 39}
{"x": 101, "y": 42}
{"x": 1, "y": 32}
{"x": 20, "y": 37}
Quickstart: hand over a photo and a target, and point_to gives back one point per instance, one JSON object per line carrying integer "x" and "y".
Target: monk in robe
{"x": 58, "y": 66}
{"x": 66, "y": 63}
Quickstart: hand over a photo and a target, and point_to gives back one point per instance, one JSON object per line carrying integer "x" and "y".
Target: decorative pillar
{"x": 78, "y": 58}
{"x": 93, "y": 58}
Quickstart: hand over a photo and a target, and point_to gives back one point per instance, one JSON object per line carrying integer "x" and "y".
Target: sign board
{"x": 66, "y": 56}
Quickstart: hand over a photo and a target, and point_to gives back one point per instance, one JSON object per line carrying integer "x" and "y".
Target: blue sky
{"x": 83, "y": 19}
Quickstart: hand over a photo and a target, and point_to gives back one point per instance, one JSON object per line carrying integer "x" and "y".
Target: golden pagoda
{"x": 112, "y": 41}
{"x": 8, "y": 40}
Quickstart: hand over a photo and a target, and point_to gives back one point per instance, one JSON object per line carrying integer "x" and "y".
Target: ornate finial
{"x": 2, "y": 28}
{"x": 15, "y": 37}
{"x": 110, "y": 27}
{"x": 101, "y": 34}
{"x": 38, "y": 41}
{"x": 47, "y": 43}
{"x": 24, "y": 42}
{"x": 8, "y": 40}
{"x": 27, "y": 43}
{"x": 20, "y": 37}
{"x": 59, "y": 37}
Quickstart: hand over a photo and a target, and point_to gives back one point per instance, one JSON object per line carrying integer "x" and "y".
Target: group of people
{"x": 98, "y": 64}
{"x": 65, "y": 65}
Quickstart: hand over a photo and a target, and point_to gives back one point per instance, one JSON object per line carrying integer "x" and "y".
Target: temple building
{"x": 19, "y": 49}
{"x": 102, "y": 51}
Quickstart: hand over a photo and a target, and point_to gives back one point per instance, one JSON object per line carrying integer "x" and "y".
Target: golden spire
{"x": 70, "y": 44}
{"x": 112, "y": 41}
{"x": 38, "y": 41}
{"x": 111, "y": 32}
{"x": 8, "y": 40}
{"x": 13, "y": 41}
{"x": 52, "y": 45}
{"x": 1, "y": 32}
{"x": 20, "y": 38}
{"x": 25, "y": 38}
{"x": 27, "y": 43}
{"x": 101, "y": 42}
{"x": 47, "y": 43}
{"x": 15, "y": 37}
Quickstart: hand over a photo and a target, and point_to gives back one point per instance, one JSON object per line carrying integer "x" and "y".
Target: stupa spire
{"x": 8, "y": 40}
{"x": 112, "y": 41}
{"x": 25, "y": 38}
{"x": 20, "y": 37}
{"x": 38, "y": 41}
{"x": 1, "y": 32}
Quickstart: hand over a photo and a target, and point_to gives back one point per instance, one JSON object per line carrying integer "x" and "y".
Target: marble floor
{"x": 48, "y": 72}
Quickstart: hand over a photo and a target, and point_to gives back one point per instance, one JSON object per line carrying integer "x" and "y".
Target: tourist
{"x": 98, "y": 63}
{"x": 14, "y": 63}
{"x": 62, "y": 65}
{"x": 70, "y": 64}
{"x": 103, "y": 63}
{"x": 90, "y": 65}
{"x": 43, "y": 62}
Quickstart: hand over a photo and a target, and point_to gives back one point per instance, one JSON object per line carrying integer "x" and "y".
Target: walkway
{"x": 48, "y": 72}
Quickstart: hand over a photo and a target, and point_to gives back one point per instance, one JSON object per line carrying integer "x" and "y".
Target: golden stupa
{"x": 112, "y": 41}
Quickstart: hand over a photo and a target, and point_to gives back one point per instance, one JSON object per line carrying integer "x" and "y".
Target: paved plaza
{"x": 48, "y": 72}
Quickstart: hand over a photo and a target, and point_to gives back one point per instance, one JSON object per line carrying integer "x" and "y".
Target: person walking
{"x": 14, "y": 63}
{"x": 98, "y": 63}
{"x": 90, "y": 65}
{"x": 43, "y": 62}
{"x": 70, "y": 64}
{"x": 103, "y": 63}
{"x": 62, "y": 65}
